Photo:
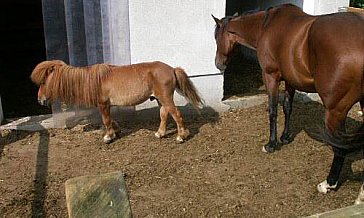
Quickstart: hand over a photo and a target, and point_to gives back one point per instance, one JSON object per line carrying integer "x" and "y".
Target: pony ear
{"x": 217, "y": 21}
{"x": 43, "y": 69}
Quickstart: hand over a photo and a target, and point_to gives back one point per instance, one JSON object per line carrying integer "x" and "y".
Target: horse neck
{"x": 250, "y": 28}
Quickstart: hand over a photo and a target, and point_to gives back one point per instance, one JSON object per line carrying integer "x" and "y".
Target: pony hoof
{"x": 267, "y": 149}
{"x": 324, "y": 187}
{"x": 158, "y": 135}
{"x": 179, "y": 139}
{"x": 107, "y": 139}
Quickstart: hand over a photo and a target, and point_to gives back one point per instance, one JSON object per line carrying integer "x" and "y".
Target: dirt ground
{"x": 219, "y": 172}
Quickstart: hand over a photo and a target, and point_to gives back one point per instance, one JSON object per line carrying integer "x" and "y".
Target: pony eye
{"x": 232, "y": 32}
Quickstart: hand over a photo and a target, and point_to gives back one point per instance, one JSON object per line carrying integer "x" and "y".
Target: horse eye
{"x": 232, "y": 32}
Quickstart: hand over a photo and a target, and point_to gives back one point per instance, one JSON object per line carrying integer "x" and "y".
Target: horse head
{"x": 225, "y": 42}
{"x": 41, "y": 74}
{"x": 231, "y": 31}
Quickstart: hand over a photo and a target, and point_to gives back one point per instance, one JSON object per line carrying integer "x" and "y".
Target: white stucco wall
{"x": 181, "y": 34}
{"x": 317, "y": 7}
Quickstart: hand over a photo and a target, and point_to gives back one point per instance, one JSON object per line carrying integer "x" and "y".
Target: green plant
{"x": 357, "y": 3}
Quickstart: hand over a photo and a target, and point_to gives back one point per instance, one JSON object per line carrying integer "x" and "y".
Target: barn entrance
{"x": 243, "y": 74}
{"x": 22, "y": 47}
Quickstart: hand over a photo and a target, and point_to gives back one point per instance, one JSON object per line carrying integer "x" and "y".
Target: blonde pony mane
{"x": 71, "y": 85}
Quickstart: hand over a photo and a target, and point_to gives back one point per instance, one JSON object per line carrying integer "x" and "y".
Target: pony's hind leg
{"x": 105, "y": 114}
{"x": 163, "y": 125}
{"x": 171, "y": 108}
{"x": 183, "y": 133}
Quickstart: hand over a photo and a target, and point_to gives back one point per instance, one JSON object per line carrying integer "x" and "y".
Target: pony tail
{"x": 187, "y": 89}
{"x": 43, "y": 69}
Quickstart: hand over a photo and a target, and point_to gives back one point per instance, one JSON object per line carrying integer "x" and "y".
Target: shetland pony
{"x": 104, "y": 85}
{"x": 323, "y": 54}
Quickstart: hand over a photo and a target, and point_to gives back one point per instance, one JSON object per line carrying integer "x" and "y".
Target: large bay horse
{"x": 104, "y": 85}
{"x": 323, "y": 54}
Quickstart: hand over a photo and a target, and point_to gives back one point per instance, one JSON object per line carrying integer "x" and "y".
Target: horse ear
{"x": 217, "y": 21}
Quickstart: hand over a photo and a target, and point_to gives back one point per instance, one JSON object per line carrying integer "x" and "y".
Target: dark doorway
{"x": 243, "y": 74}
{"x": 22, "y": 48}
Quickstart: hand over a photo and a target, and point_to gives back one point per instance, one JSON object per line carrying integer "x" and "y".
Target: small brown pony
{"x": 104, "y": 85}
{"x": 323, "y": 54}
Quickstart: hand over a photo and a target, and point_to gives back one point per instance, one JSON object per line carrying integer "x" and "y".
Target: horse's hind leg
{"x": 334, "y": 124}
{"x": 287, "y": 109}
{"x": 333, "y": 177}
{"x": 105, "y": 114}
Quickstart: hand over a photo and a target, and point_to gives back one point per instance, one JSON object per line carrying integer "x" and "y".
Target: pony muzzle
{"x": 43, "y": 102}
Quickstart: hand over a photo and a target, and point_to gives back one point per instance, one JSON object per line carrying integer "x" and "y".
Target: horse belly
{"x": 301, "y": 82}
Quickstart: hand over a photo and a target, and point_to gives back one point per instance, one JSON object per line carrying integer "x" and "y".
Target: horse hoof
{"x": 267, "y": 149}
{"x": 324, "y": 187}
{"x": 179, "y": 139}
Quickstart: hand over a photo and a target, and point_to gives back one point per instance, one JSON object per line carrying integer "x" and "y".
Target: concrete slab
{"x": 102, "y": 195}
{"x": 346, "y": 212}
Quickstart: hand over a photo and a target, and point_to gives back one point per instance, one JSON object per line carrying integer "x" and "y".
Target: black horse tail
{"x": 342, "y": 142}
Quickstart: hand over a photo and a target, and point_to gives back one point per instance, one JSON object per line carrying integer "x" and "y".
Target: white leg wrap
{"x": 324, "y": 187}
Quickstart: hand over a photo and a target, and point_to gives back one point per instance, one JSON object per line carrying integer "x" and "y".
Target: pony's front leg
{"x": 271, "y": 81}
{"x": 287, "y": 109}
{"x": 163, "y": 125}
{"x": 105, "y": 114}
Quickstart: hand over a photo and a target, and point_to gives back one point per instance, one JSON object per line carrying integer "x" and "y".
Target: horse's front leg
{"x": 271, "y": 81}
{"x": 105, "y": 114}
{"x": 287, "y": 109}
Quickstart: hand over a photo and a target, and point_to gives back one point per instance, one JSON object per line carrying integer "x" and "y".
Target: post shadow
{"x": 41, "y": 174}
{"x": 41, "y": 168}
